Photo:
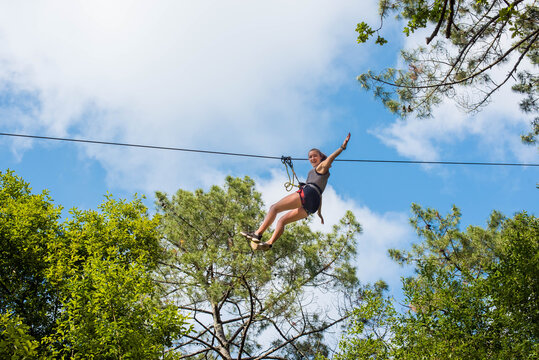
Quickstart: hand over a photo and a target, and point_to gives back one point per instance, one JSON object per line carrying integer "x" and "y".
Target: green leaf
{"x": 364, "y": 32}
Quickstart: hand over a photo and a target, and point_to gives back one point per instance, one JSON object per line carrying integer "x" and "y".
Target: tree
{"x": 238, "y": 298}
{"x": 474, "y": 294}
{"x": 82, "y": 288}
{"x": 102, "y": 266}
{"x": 479, "y": 37}
{"x": 28, "y": 222}
{"x": 15, "y": 342}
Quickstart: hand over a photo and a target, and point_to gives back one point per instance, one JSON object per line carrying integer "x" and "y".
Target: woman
{"x": 301, "y": 204}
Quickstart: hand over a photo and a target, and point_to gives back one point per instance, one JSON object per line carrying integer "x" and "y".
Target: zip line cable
{"x": 155, "y": 147}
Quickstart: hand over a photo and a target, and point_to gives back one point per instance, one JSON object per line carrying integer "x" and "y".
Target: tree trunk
{"x": 224, "y": 346}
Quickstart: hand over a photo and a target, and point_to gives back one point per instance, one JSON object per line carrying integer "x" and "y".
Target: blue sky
{"x": 274, "y": 78}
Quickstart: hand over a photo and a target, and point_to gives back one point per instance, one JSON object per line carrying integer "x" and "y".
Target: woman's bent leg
{"x": 291, "y": 216}
{"x": 292, "y": 201}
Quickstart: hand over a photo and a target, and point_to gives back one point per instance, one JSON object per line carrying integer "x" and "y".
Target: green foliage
{"x": 380, "y": 40}
{"x": 15, "y": 342}
{"x": 528, "y": 85}
{"x": 364, "y": 32}
{"x": 220, "y": 277}
{"x": 474, "y": 294}
{"x": 28, "y": 222}
{"x": 82, "y": 288}
{"x": 418, "y": 14}
{"x": 375, "y": 313}
{"x": 514, "y": 285}
{"x": 102, "y": 265}
{"x": 464, "y": 60}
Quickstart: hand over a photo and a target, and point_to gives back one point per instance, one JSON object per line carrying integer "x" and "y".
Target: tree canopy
{"x": 248, "y": 305}
{"x": 474, "y": 294}
{"x": 81, "y": 288}
{"x": 117, "y": 283}
{"x": 475, "y": 48}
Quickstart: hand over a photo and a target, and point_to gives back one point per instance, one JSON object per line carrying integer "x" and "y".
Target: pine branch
{"x": 440, "y": 21}
{"x": 456, "y": 82}
{"x": 450, "y": 19}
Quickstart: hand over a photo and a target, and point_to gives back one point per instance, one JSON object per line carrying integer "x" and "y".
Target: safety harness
{"x": 290, "y": 184}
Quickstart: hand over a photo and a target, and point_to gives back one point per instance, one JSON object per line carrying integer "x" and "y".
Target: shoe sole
{"x": 253, "y": 239}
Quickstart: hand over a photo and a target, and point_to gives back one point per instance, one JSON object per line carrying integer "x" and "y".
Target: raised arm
{"x": 324, "y": 166}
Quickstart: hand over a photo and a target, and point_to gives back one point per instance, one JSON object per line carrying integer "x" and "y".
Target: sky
{"x": 266, "y": 77}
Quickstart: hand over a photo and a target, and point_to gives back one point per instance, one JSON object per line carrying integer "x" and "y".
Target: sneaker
{"x": 252, "y": 235}
{"x": 260, "y": 246}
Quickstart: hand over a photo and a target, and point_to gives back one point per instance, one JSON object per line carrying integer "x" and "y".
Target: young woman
{"x": 307, "y": 200}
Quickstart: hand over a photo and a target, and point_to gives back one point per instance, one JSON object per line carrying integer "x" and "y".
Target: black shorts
{"x": 310, "y": 199}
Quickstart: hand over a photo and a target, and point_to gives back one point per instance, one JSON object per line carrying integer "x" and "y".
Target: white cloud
{"x": 495, "y": 131}
{"x": 234, "y": 75}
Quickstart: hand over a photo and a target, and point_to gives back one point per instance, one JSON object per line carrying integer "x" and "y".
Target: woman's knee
{"x": 278, "y": 207}
{"x": 274, "y": 208}
{"x": 282, "y": 222}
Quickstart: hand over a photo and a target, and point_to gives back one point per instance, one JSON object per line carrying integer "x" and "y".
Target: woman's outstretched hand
{"x": 324, "y": 166}
{"x": 345, "y": 142}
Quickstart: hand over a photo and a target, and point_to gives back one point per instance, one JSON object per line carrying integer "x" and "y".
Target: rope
{"x": 263, "y": 156}
{"x": 290, "y": 184}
